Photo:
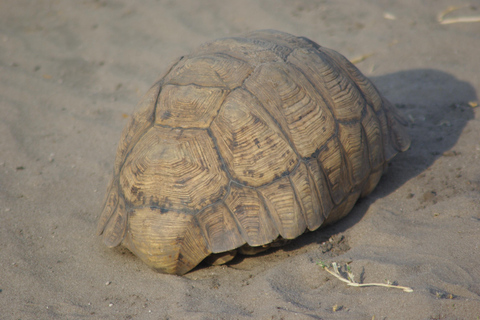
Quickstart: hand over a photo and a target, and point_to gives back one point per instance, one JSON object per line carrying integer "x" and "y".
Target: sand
{"x": 71, "y": 72}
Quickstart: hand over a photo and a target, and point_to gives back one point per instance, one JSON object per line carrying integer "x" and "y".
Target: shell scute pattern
{"x": 244, "y": 142}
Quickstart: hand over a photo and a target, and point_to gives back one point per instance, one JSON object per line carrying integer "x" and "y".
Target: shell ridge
{"x": 222, "y": 160}
{"x": 240, "y": 229}
{"x": 318, "y": 194}
{"x": 105, "y": 216}
{"x": 205, "y": 237}
{"x": 367, "y": 147}
{"x": 398, "y": 135}
{"x": 116, "y": 228}
{"x": 296, "y": 198}
{"x": 380, "y": 136}
{"x": 348, "y": 167}
{"x": 256, "y": 230}
{"x": 354, "y": 182}
{"x": 269, "y": 213}
{"x": 341, "y": 168}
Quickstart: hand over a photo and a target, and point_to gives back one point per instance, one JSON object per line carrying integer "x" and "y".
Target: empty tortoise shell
{"x": 243, "y": 143}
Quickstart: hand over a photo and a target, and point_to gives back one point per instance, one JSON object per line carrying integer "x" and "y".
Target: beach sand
{"x": 72, "y": 71}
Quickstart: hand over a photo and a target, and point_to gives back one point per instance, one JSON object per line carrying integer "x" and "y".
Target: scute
{"x": 320, "y": 187}
{"x": 219, "y": 228}
{"x": 286, "y": 212}
{"x": 242, "y": 144}
{"x": 188, "y": 106}
{"x": 297, "y": 107}
{"x": 338, "y": 90}
{"x": 169, "y": 167}
{"x": 355, "y": 148}
{"x": 169, "y": 242}
{"x": 251, "y": 215}
{"x": 332, "y": 162}
{"x": 307, "y": 197}
{"x": 253, "y": 147}
{"x": 373, "y": 132}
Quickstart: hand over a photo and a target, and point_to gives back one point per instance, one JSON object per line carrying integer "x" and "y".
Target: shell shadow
{"x": 435, "y": 104}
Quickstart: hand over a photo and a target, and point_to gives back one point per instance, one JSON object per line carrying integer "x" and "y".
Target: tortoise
{"x": 244, "y": 143}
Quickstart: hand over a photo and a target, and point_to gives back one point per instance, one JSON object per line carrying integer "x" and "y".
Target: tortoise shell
{"x": 244, "y": 142}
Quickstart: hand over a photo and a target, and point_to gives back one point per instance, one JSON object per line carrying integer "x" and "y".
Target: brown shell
{"x": 244, "y": 142}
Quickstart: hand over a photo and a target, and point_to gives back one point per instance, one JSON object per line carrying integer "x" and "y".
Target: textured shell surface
{"x": 246, "y": 141}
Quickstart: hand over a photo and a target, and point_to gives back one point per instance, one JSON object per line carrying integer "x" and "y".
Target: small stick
{"x": 361, "y": 58}
{"x": 351, "y": 282}
{"x": 442, "y": 20}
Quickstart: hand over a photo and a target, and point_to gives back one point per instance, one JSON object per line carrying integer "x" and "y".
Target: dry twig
{"x": 351, "y": 281}
{"x": 361, "y": 58}
{"x": 442, "y": 20}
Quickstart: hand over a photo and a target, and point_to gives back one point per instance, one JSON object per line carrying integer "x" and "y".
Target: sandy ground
{"x": 71, "y": 72}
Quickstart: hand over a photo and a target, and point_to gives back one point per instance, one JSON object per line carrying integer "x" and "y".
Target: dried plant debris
{"x": 461, "y": 19}
{"x": 350, "y": 280}
{"x": 361, "y": 58}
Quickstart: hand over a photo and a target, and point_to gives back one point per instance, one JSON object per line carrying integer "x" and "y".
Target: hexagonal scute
{"x": 173, "y": 169}
{"x": 253, "y": 147}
